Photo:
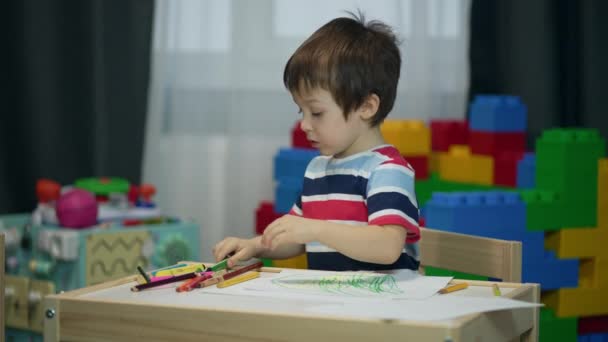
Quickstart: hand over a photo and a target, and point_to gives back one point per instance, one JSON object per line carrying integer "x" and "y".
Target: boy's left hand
{"x": 289, "y": 229}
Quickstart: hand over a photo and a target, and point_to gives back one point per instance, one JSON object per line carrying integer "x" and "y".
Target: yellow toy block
{"x": 456, "y": 165}
{"x": 578, "y": 242}
{"x": 483, "y": 169}
{"x": 410, "y": 137}
{"x": 299, "y": 262}
{"x": 593, "y": 273}
{"x": 602, "y": 193}
{"x": 459, "y": 165}
{"x": 434, "y": 161}
{"x": 577, "y": 302}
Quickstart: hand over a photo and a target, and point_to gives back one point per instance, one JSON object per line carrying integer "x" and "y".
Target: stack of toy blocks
{"x": 444, "y": 134}
{"x": 413, "y": 140}
{"x": 289, "y": 167}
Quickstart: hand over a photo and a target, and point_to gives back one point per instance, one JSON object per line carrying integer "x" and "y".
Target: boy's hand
{"x": 290, "y": 229}
{"x": 243, "y": 249}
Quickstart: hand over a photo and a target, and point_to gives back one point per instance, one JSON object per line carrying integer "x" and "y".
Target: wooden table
{"x": 101, "y": 313}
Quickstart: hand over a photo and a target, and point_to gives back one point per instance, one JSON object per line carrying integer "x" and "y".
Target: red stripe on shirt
{"x": 335, "y": 210}
{"x": 395, "y": 158}
{"x": 413, "y": 231}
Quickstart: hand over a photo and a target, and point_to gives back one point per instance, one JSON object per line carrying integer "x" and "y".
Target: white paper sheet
{"x": 398, "y": 284}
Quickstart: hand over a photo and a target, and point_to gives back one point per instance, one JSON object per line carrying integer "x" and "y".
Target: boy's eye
{"x": 316, "y": 114}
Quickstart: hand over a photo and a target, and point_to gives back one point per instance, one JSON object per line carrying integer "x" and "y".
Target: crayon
{"x": 188, "y": 285}
{"x": 496, "y": 290}
{"x": 238, "y": 279}
{"x": 181, "y": 277}
{"x": 180, "y": 270}
{"x": 453, "y": 288}
{"x": 241, "y": 270}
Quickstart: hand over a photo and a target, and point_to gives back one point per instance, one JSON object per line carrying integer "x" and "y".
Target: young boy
{"x": 358, "y": 207}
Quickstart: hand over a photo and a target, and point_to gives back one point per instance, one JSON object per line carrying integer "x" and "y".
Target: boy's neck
{"x": 367, "y": 141}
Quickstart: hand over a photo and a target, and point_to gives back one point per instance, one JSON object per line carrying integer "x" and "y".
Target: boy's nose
{"x": 305, "y": 125}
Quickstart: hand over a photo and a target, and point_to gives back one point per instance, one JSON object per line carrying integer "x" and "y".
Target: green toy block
{"x": 566, "y": 162}
{"x": 554, "y": 329}
{"x": 440, "y": 272}
{"x": 545, "y": 210}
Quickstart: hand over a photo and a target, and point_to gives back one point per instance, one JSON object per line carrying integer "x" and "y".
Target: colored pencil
{"x": 181, "y": 277}
{"x": 241, "y": 270}
{"x": 143, "y": 274}
{"x": 238, "y": 279}
{"x": 453, "y": 288}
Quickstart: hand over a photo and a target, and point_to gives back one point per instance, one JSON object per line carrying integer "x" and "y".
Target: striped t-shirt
{"x": 375, "y": 187}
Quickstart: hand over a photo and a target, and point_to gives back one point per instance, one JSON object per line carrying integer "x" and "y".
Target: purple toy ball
{"x": 77, "y": 209}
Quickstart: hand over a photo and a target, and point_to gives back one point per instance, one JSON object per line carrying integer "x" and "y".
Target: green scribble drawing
{"x": 359, "y": 284}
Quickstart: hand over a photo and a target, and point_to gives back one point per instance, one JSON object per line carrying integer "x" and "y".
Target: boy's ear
{"x": 370, "y": 106}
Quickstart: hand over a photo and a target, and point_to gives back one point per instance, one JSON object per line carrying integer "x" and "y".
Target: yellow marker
{"x": 496, "y": 290}
{"x": 238, "y": 279}
{"x": 453, "y": 288}
{"x": 180, "y": 270}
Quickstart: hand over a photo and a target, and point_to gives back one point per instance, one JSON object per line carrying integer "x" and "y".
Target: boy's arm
{"x": 285, "y": 251}
{"x": 374, "y": 244}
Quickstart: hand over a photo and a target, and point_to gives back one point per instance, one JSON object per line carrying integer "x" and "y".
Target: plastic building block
{"x": 554, "y": 329}
{"x": 544, "y": 210}
{"x": 579, "y": 242}
{"x": 505, "y": 168}
{"x": 445, "y": 133}
{"x": 590, "y": 325}
{"x": 440, "y": 272}
{"x": 550, "y": 272}
{"x": 577, "y": 301}
{"x": 299, "y": 262}
{"x": 494, "y": 143}
{"x": 602, "y": 193}
{"x": 567, "y": 163}
{"x": 420, "y": 165}
{"x": 286, "y": 192}
{"x": 410, "y": 137}
{"x": 298, "y": 137}
{"x": 598, "y": 337}
{"x": 264, "y": 215}
{"x": 526, "y": 171}
{"x": 292, "y": 162}
{"x": 460, "y": 165}
{"x": 498, "y": 113}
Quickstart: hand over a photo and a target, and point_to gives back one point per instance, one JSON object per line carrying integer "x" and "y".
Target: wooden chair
{"x": 471, "y": 254}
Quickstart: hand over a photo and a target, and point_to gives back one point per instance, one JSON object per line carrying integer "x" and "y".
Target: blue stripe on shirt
{"x": 392, "y": 200}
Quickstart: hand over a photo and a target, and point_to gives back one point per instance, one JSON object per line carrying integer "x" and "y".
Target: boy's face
{"x": 325, "y": 125}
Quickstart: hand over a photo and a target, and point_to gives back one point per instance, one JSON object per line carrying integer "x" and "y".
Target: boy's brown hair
{"x": 351, "y": 59}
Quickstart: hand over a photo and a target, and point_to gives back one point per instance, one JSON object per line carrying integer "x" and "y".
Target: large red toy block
{"x": 298, "y": 137}
{"x": 505, "y": 168}
{"x": 420, "y": 165}
{"x": 592, "y": 325}
{"x": 264, "y": 215}
{"x": 445, "y": 133}
{"x": 493, "y": 144}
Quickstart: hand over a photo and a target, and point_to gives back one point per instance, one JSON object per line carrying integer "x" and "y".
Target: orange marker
{"x": 453, "y": 288}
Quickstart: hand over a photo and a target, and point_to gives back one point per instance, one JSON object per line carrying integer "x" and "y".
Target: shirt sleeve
{"x": 296, "y": 209}
{"x": 391, "y": 199}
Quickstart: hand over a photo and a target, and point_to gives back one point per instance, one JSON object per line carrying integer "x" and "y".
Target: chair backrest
{"x": 471, "y": 254}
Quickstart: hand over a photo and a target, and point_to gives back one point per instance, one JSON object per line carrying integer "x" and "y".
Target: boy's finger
{"x": 242, "y": 254}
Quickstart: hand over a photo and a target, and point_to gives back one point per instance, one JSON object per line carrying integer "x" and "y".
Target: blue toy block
{"x": 526, "y": 171}
{"x": 292, "y": 162}
{"x": 597, "y": 337}
{"x": 552, "y": 273}
{"x": 498, "y": 113}
{"x": 501, "y": 215}
{"x": 286, "y": 192}
{"x": 495, "y": 214}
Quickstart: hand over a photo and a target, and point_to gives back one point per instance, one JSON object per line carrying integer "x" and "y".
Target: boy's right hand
{"x": 243, "y": 249}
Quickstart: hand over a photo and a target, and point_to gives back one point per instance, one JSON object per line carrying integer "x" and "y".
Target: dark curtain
{"x": 552, "y": 53}
{"x": 75, "y": 93}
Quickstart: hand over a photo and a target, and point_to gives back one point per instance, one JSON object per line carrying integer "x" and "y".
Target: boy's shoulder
{"x": 365, "y": 161}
